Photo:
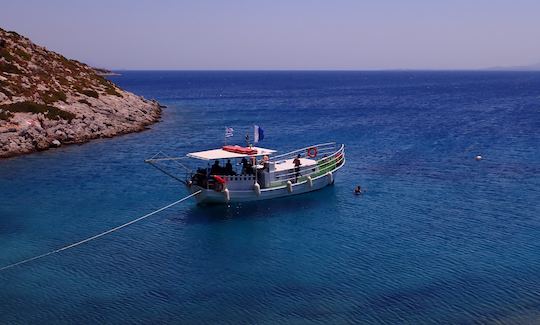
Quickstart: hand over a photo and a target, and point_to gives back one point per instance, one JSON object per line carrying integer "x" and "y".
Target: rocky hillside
{"x": 47, "y": 100}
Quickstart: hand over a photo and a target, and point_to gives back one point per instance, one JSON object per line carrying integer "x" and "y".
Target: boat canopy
{"x": 223, "y": 154}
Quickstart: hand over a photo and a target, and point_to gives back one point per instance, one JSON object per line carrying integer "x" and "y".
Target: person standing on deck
{"x": 297, "y": 164}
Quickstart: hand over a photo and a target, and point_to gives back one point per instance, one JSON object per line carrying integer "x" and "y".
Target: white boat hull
{"x": 211, "y": 196}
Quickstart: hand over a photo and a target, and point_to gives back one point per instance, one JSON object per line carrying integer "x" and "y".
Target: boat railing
{"x": 322, "y": 149}
{"x": 328, "y": 163}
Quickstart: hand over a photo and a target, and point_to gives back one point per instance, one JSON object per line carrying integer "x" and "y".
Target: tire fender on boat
{"x": 330, "y": 177}
{"x": 289, "y": 186}
{"x": 227, "y": 194}
{"x": 257, "y": 189}
{"x": 309, "y": 181}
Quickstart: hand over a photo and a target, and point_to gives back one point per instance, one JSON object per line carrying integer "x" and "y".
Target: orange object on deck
{"x": 241, "y": 150}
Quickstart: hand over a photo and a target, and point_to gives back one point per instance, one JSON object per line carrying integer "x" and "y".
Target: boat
{"x": 233, "y": 174}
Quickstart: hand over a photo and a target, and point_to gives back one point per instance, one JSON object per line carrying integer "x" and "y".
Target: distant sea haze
{"x": 532, "y": 67}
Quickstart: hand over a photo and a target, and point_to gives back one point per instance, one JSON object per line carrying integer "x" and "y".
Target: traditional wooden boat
{"x": 240, "y": 174}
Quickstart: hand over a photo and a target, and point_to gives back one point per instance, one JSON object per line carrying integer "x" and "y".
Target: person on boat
{"x": 252, "y": 165}
{"x": 199, "y": 178}
{"x": 358, "y": 190}
{"x": 229, "y": 169}
{"x": 245, "y": 164}
{"x": 297, "y": 164}
{"x": 216, "y": 168}
{"x": 266, "y": 163}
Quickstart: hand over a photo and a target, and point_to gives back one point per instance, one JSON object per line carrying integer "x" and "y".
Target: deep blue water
{"x": 438, "y": 237}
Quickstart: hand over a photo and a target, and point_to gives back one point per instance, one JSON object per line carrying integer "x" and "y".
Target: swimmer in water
{"x": 358, "y": 190}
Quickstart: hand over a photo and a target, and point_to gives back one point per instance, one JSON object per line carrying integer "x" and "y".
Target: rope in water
{"x": 98, "y": 235}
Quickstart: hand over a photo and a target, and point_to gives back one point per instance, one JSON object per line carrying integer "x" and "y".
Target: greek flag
{"x": 258, "y": 133}
{"x": 229, "y": 132}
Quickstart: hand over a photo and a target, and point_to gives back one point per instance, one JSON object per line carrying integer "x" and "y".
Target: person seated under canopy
{"x": 229, "y": 168}
{"x": 216, "y": 168}
{"x": 247, "y": 168}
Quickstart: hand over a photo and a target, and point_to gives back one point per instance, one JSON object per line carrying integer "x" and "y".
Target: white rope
{"x": 98, "y": 235}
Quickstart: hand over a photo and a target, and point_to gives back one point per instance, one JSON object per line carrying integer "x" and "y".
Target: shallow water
{"x": 437, "y": 237}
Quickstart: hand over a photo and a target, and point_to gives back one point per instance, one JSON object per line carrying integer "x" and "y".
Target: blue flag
{"x": 258, "y": 133}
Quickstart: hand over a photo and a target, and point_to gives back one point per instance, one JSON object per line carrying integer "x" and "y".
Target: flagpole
{"x": 228, "y": 134}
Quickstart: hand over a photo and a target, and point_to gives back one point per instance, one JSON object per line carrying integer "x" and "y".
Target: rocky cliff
{"x": 47, "y": 100}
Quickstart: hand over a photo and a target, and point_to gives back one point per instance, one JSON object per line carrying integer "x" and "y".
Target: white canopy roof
{"x": 222, "y": 154}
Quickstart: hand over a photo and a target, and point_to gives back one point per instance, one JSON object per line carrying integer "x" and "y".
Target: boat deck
{"x": 288, "y": 164}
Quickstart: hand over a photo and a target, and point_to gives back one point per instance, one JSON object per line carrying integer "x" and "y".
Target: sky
{"x": 283, "y": 34}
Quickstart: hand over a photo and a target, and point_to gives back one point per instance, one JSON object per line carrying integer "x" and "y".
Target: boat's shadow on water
{"x": 302, "y": 203}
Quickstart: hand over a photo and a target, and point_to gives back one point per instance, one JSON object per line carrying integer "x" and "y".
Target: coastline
{"x": 34, "y": 132}
{"x": 47, "y": 100}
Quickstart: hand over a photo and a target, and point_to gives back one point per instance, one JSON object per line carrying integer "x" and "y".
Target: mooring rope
{"x": 98, "y": 235}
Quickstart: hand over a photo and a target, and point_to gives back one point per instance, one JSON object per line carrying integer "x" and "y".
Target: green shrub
{"x": 4, "y": 53}
{"x": 109, "y": 86}
{"x": 84, "y": 101}
{"x": 9, "y": 68}
{"x": 73, "y": 65}
{"x": 112, "y": 91}
{"x": 50, "y": 112}
{"x": 90, "y": 93}
{"x": 3, "y": 89}
{"x": 23, "y": 54}
{"x": 5, "y": 115}
{"x": 63, "y": 81}
{"x": 103, "y": 81}
{"x": 54, "y": 97}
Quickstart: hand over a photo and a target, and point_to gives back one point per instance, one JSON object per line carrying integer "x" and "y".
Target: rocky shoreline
{"x": 47, "y": 100}
{"x": 27, "y": 133}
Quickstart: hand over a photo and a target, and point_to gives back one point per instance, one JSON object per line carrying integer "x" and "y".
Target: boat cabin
{"x": 239, "y": 168}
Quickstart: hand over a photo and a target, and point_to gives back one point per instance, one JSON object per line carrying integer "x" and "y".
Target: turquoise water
{"x": 438, "y": 237}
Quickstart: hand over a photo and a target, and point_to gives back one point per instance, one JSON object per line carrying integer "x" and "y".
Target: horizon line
{"x": 328, "y": 70}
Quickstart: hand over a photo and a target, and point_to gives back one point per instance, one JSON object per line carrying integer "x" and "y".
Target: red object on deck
{"x": 242, "y": 150}
{"x": 312, "y": 152}
{"x": 219, "y": 179}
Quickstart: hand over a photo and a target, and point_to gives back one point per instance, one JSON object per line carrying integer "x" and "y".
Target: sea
{"x": 437, "y": 237}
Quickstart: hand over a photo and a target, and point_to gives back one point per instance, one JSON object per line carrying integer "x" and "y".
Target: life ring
{"x": 312, "y": 152}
